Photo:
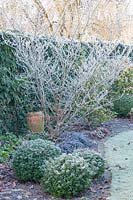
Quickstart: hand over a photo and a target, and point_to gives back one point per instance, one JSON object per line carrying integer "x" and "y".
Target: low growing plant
{"x": 96, "y": 164}
{"x": 70, "y": 174}
{"x": 8, "y": 144}
{"x": 30, "y": 156}
{"x": 66, "y": 176}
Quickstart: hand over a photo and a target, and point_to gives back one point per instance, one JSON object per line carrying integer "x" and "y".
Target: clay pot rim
{"x": 35, "y": 113}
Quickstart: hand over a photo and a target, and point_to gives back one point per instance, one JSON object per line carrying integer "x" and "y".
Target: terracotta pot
{"x": 35, "y": 121}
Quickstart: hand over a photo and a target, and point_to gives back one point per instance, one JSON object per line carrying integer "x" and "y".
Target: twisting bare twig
{"x": 69, "y": 77}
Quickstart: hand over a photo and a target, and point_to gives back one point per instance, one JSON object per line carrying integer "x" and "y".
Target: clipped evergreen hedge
{"x": 15, "y": 99}
{"x": 16, "y": 96}
{"x": 11, "y": 87}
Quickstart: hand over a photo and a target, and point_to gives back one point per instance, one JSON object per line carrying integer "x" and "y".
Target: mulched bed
{"x": 11, "y": 189}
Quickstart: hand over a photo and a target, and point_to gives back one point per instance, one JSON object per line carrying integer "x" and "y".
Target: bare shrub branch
{"x": 71, "y": 79}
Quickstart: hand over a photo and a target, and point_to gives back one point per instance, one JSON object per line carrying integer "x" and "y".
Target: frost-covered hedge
{"x": 17, "y": 97}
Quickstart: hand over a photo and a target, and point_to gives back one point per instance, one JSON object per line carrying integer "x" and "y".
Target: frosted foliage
{"x": 65, "y": 77}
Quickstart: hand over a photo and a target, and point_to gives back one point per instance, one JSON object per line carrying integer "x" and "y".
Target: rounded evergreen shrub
{"x": 30, "y": 156}
{"x": 123, "y": 105}
{"x": 96, "y": 164}
{"x": 66, "y": 176}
